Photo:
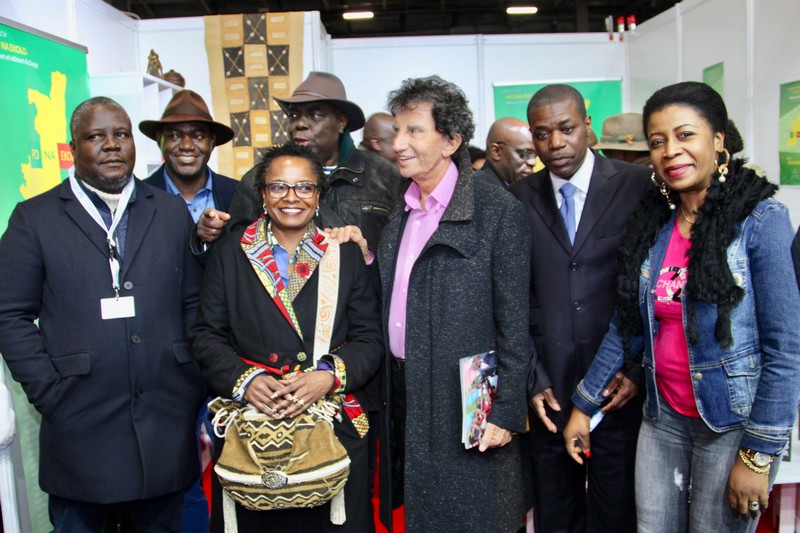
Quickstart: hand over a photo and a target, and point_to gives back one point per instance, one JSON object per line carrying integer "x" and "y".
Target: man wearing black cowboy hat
{"x": 187, "y": 135}
{"x": 360, "y": 188}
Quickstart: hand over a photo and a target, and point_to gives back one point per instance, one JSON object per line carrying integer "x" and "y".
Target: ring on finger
{"x": 755, "y": 506}
{"x": 300, "y": 401}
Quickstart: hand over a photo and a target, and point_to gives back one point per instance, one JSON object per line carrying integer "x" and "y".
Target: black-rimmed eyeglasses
{"x": 303, "y": 190}
{"x": 522, "y": 153}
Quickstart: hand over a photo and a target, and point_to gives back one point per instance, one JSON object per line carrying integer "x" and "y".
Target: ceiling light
{"x": 357, "y": 15}
{"x": 522, "y": 10}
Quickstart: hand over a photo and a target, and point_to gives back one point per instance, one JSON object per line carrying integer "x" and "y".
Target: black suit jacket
{"x": 573, "y": 286}
{"x": 488, "y": 174}
{"x": 118, "y": 398}
{"x": 222, "y": 187}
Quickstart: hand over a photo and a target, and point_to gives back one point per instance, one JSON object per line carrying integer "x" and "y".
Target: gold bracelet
{"x": 749, "y": 464}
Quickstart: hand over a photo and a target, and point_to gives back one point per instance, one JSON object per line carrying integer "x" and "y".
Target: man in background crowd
{"x": 186, "y": 135}
{"x": 622, "y": 137}
{"x": 509, "y": 152}
{"x": 360, "y": 188}
{"x": 378, "y": 136}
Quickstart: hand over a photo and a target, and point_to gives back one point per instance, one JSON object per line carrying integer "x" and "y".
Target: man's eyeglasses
{"x": 525, "y": 155}
{"x": 303, "y": 190}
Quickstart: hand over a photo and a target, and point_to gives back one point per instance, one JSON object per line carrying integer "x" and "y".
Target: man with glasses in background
{"x": 510, "y": 155}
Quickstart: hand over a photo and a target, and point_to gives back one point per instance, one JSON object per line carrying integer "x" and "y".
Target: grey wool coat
{"x": 468, "y": 293}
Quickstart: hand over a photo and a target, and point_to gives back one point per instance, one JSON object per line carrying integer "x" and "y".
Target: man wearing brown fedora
{"x": 622, "y": 137}
{"x": 187, "y": 135}
{"x": 360, "y": 188}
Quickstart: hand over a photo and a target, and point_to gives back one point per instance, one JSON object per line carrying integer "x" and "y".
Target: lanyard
{"x": 111, "y": 240}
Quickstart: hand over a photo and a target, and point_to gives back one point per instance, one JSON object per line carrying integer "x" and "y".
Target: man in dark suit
{"x": 103, "y": 262}
{"x": 187, "y": 135}
{"x": 577, "y": 207}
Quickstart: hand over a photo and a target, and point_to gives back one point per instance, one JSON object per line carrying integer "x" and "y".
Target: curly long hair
{"x": 726, "y": 205}
{"x": 451, "y": 112}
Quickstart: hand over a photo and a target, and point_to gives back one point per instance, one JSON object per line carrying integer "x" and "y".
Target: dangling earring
{"x": 722, "y": 168}
{"x": 663, "y": 189}
{"x": 316, "y": 214}
{"x": 264, "y": 207}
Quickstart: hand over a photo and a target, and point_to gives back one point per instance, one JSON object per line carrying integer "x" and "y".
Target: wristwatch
{"x": 759, "y": 459}
{"x": 758, "y": 462}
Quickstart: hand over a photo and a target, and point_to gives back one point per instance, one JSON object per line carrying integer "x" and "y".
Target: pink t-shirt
{"x": 671, "y": 356}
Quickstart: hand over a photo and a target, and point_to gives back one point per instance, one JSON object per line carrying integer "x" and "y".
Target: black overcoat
{"x": 119, "y": 398}
{"x": 468, "y": 293}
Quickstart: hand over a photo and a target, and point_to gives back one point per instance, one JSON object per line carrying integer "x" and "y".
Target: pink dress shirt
{"x": 419, "y": 227}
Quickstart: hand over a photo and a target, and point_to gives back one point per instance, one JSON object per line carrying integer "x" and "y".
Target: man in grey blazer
{"x": 103, "y": 262}
{"x": 572, "y": 298}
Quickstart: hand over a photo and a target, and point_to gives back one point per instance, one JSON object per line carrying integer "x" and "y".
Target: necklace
{"x": 683, "y": 214}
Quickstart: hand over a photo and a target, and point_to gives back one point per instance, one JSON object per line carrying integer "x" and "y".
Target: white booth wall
{"x": 372, "y": 67}
{"x": 753, "y": 38}
{"x": 109, "y": 34}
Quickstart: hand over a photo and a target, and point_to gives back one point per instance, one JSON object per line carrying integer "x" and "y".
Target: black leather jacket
{"x": 362, "y": 191}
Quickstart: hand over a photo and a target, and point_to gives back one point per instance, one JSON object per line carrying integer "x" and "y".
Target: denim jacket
{"x": 754, "y": 383}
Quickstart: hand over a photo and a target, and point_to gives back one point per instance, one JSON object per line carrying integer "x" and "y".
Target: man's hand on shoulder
{"x": 210, "y": 225}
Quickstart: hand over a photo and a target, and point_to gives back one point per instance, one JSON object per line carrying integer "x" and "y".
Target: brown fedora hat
{"x": 187, "y": 106}
{"x": 324, "y": 87}
{"x": 623, "y": 132}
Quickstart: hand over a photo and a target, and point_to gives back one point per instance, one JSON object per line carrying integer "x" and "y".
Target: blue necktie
{"x": 568, "y": 209}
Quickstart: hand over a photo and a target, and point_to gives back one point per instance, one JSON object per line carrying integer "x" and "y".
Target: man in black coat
{"x": 509, "y": 153}
{"x": 360, "y": 188}
{"x": 187, "y": 135}
{"x": 102, "y": 260}
{"x": 572, "y": 299}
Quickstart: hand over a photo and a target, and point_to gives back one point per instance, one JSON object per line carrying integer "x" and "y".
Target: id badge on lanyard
{"x": 116, "y": 307}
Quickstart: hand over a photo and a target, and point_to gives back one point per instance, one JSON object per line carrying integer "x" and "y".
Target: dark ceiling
{"x": 410, "y": 17}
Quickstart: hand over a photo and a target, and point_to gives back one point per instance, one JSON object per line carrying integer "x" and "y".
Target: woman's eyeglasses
{"x": 303, "y": 190}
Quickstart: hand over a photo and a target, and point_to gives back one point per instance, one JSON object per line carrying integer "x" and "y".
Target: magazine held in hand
{"x": 478, "y": 389}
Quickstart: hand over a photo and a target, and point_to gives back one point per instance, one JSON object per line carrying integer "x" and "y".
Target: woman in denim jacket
{"x": 706, "y": 290}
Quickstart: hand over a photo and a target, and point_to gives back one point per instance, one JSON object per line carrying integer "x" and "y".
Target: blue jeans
{"x": 682, "y": 471}
{"x": 163, "y": 514}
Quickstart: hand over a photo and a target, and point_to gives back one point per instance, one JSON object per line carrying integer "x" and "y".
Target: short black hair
{"x": 86, "y": 105}
{"x": 286, "y": 150}
{"x": 555, "y": 94}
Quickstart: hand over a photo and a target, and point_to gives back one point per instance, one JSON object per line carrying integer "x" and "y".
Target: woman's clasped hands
{"x": 289, "y": 397}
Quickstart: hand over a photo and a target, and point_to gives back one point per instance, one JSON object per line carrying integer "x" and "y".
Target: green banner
{"x": 789, "y": 137}
{"x": 714, "y": 77}
{"x": 44, "y": 79}
{"x": 603, "y": 98}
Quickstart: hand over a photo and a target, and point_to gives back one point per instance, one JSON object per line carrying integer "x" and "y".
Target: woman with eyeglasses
{"x": 255, "y": 332}
{"x": 706, "y": 291}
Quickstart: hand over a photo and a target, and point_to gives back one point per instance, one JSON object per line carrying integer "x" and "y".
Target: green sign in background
{"x": 789, "y": 125}
{"x": 603, "y": 98}
{"x": 714, "y": 76}
{"x": 44, "y": 79}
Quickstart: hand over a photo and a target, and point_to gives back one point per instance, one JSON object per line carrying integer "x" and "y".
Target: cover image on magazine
{"x": 478, "y": 389}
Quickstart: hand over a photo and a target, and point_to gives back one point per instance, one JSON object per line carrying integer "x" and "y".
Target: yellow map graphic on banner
{"x": 51, "y": 124}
